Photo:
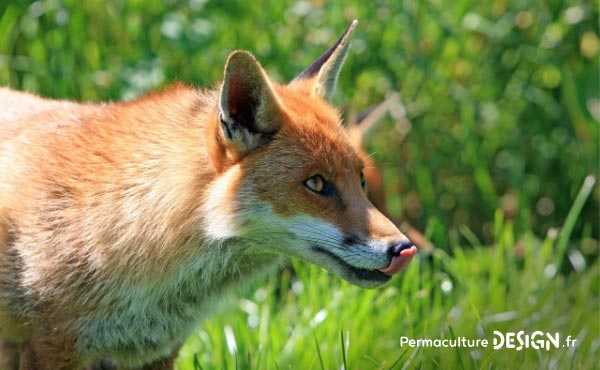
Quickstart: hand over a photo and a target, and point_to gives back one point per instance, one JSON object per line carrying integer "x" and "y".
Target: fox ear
{"x": 248, "y": 105}
{"x": 325, "y": 70}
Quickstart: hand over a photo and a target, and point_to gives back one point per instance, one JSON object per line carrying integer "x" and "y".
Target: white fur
{"x": 241, "y": 239}
{"x": 267, "y": 232}
{"x": 371, "y": 254}
{"x": 220, "y": 219}
{"x": 148, "y": 319}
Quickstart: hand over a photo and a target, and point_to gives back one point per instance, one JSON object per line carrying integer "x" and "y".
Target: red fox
{"x": 357, "y": 126}
{"x": 122, "y": 224}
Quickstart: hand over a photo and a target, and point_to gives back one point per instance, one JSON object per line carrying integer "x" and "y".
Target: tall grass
{"x": 502, "y": 97}
{"x": 502, "y": 103}
{"x": 304, "y": 318}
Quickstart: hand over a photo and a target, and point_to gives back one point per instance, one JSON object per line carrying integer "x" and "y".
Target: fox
{"x": 124, "y": 224}
{"x": 358, "y": 126}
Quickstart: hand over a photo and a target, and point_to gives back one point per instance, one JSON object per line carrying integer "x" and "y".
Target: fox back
{"x": 122, "y": 224}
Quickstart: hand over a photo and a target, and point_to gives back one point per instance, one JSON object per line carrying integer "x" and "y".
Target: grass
{"x": 305, "y": 318}
{"x": 501, "y": 100}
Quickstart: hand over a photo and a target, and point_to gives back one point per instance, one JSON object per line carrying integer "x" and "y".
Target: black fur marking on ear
{"x": 243, "y": 114}
{"x": 243, "y": 121}
{"x": 225, "y": 127}
{"x": 313, "y": 69}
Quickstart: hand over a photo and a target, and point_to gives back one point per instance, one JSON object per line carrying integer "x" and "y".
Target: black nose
{"x": 398, "y": 247}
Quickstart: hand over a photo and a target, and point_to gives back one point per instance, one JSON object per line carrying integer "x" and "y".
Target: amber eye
{"x": 363, "y": 182}
{"x": 315, "y": 183}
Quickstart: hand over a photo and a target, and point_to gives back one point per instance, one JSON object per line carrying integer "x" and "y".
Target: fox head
{"x": 289, "y": 179}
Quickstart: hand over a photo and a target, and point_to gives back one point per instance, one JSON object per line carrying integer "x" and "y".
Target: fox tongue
{"x": 400, "y": 261}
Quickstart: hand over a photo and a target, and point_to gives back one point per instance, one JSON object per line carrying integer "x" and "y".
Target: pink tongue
{"x": 399, "y": 262}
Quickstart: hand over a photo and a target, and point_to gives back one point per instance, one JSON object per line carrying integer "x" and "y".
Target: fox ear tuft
{"x": 248, "y": 105}
{"x": 325, "y": 70}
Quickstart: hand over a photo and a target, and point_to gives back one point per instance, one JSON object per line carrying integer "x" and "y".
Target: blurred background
{"x": 502, "y": 97}
{"x": 497, "y": 130}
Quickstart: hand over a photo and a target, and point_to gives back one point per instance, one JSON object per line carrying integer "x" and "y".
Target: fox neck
{"x": 223, "y": 266}
{"x": 193, "y": 190}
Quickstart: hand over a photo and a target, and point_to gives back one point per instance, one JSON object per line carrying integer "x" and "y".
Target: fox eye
{"x": 315, "y": 183}
{"x": 363, "y": 182}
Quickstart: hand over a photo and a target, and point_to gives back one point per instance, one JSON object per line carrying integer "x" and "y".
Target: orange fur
{"x": 357, "y": 129}
{"x": 122, "y": 224}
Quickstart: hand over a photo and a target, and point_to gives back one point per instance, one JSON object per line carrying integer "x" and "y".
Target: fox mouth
{"x": 360, "y": 274}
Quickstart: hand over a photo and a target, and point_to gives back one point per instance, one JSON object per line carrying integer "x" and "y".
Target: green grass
{"x": 304, "y": 318}
{"x": 501, "y": 97}
{"x": 502, "y": 104}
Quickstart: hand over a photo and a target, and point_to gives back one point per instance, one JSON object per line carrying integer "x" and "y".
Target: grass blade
{"x": 343, "y": 350}
{"x": 572, "y": 216}
{"x": 319, "y": 353}
{"x": 197, "y": 365}
{"x": 462, "y": 365}
{"x": 398, "y": 359}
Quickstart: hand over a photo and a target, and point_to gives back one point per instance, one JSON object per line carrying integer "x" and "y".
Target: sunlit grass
{"x": 500, "y": 98}
{"x": 501, "y": 113}
{"x": 305, "y": 318}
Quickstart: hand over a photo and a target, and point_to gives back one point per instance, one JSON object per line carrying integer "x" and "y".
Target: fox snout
{"x": 401, "y": 253}
{"x": 367, "y": 264}
{"x": 364, "y": 260}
